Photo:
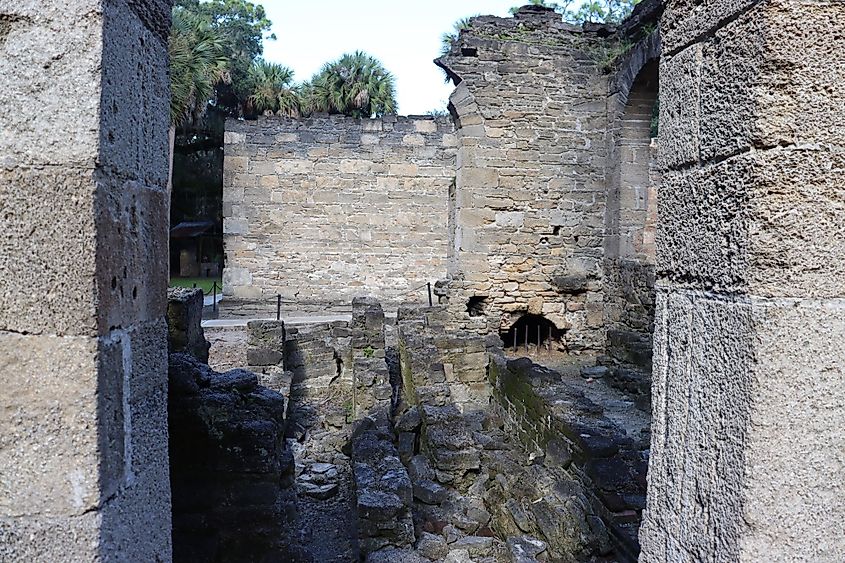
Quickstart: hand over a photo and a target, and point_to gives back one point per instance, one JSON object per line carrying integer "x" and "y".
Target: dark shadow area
{"x": 532, "y": 334}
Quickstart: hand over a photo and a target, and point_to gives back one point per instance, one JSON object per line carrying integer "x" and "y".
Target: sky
{"x": 403, "y": 34}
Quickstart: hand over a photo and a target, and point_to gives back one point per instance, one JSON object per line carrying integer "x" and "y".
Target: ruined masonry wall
{"x": 530, "y": 194}
{"x": 323, "y": 209}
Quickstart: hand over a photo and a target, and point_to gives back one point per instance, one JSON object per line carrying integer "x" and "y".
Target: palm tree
{"x": 198, "y": 63}
{"x": 356, "y": 85}
{"x": 272, "y": 90}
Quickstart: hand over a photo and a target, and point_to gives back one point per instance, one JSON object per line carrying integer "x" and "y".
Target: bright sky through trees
{"x": 403, "y": 34}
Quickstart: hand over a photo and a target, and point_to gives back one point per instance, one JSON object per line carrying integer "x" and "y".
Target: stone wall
{"x": 231, "y": 473}
{"x": 631, "y": 215}
{"x": 323, "y": 209}
{"x": 531, "y": 122}
{"x": 593, "y": 455}
{"x": 83, "y": 274}
{"x": 749, "y": 360}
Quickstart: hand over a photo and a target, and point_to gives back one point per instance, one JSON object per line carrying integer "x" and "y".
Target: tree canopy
{"x": 242, "y": 25}
{"x": 272, "y": 89}
{"x": 198, "y": 63}
{"x": 356, "y": 84}
{"x": 594, "y": 11}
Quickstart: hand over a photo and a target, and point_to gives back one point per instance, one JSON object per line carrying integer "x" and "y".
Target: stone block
{"x": 40, "y": 34}
{"x": 711, "y": 386}
{"x": 751, "y": 93}
{"x": 763, "y": 222}
{"x": 50, "y": 387}
{"x": 425, "y": 126}
{"x": 684, "y": 21}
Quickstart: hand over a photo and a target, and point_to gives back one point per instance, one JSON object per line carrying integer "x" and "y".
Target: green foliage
{"x": 272, "y": 89}
{"x": 593, "y": 11}
{"x": 368, "y": 352}
{"x": 356, "y": 85}
{"x": 450, "y": 37}
{"x": 606, "y": 53}
{"x": 198, "y": 63}
{"x": 243, "y": 25}
{"x": 205, "y": 284}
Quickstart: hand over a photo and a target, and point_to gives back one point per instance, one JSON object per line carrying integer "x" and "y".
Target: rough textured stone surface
{"x": 83, "y": 185}
{"x": 231, "y": 474}
{"x": 749, "y": 321}
{"x": 383, "y": 488}
{"x": 592, "y": 457}
{"x": 530, "y": 190}
{"x": 184, "y": 323}
{"x": 336, "y": 206}
{"x": 372, "y": 390}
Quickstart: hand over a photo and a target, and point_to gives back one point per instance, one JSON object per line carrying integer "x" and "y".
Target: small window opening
{"x": 469, "y": 51}
{"x": 476, "y": 305}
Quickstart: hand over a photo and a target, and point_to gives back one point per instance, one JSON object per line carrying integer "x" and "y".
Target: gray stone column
{"x": 84, "y": 108}
{"x": 749, "y": 360}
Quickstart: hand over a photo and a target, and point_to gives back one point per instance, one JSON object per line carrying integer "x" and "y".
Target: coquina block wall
{"x": 83, "y": 276}
{"x": 324, "y": 209}
{"x": 747, "y": 440}
{"x": 530, "y": 108}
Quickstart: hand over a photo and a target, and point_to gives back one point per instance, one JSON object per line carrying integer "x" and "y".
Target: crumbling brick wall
{"x": 323, "y": 209}
{"x": 530, "y": 191}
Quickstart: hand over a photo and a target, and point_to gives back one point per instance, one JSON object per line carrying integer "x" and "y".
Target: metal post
{"x": 279, "y": 307}
{"x": 430, "y": 301}
{"x": 214, "y": 297}
{"x": 515, "y": 333}
{"x": 526, "y": 337}
{"x": 539, "y": 328}
{"x": 195, "y": 285}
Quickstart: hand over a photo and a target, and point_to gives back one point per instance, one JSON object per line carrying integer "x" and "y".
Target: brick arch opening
{"x": 533, "y": 335}
{"x": 631, "y": 219}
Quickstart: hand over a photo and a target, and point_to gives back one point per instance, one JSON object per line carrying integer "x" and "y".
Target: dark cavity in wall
{"x": 476, "y": 306}
{"x": 532, "y": 334}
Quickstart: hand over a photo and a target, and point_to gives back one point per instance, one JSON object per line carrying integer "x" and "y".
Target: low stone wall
{"x": 231, "y": 475}
{"x": 382, "y": 486}
{"x": 184, "y": 323}
{"x": 371, "y": 390}
{"x": 323, "y": 209}
{"x": 557, "y": 421}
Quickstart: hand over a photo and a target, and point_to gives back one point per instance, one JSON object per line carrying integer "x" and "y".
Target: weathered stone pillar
{"x": 83, "y": 257}
{"x": 371, "y": 384}
{"x": 749, "y": 361}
